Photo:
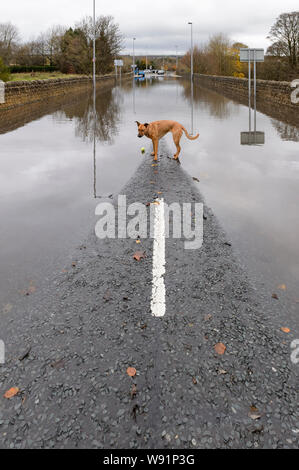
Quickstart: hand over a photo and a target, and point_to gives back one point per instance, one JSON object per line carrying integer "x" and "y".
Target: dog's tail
{"x": 189, "y": 136}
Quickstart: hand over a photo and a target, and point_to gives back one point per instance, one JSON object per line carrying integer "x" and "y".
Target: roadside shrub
{"x": 4, "y": 72}
{"x": 34, "y": 68}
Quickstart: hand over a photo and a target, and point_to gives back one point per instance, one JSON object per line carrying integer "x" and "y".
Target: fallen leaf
{"x": 7, "y": 308}
{"x": 253, "y": 408}
{"x": 194, "y": 380}
{"x": 285, "y": 329}
{"x": 131, "y": 371}
{"x": 282, "y": 287}
{"x": 133, "y": 391}
{"x": 220, "y": 348}
{"x": 32, "y": 288}
{"x": 274, "y": 296}
{"x": 208, "y": 317}
{"x": 11, "y": 392}
{"x": 58, "y": 364}
{"x": 254, "y": 415}
{"x": 222, "y": 371}
{"x": 107, "y": 295}
{"x": 139, "y": 255}
{"x": 25, "y": 354}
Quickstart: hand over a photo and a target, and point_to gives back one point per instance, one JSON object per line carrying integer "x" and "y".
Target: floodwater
{"x": 48, "y": 180}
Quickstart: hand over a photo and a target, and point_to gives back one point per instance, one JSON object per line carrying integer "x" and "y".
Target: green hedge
{"x": 34, "y": 68}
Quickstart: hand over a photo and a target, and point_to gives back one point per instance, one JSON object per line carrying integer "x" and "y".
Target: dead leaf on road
{"x": 222, "y": 371}
{"x": 58, "y": 364}
{"x": 254, "y": 415}
{"x": 133, "y": 391}
{"x": 282, "y": 287}
{"x": 194, "y": 380}
{"x": 285, "y": 329}
{"x": 131, "y": 371}
{"x": 139, "y": 255}
{"x": 220, "y": 348}
{"x": 11, "y": 392}
{"x": 7, "y": 308}
{"x": 107, "y": 295}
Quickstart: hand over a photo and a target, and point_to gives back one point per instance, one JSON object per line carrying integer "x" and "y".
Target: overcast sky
{"x": 158, "y": 25}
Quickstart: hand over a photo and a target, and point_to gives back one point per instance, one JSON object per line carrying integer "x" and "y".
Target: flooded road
{"x": 48, "y": 183}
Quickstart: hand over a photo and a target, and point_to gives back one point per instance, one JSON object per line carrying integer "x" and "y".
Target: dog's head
{"x": 142, "y": 128}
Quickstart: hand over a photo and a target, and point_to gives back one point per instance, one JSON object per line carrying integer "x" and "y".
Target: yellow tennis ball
{"x": 142, "y": 149}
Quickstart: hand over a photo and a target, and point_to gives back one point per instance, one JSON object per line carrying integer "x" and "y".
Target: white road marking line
{"x": 158, "y": 306}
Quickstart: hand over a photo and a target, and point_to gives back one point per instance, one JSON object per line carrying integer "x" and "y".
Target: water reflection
{"x": 286, "y": 131}
{"x": 252, "y": 137}
{"x": 211, "y": 102}
{"x": 103, "y": 124}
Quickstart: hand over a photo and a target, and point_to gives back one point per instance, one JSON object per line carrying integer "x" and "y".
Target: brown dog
{"x": 157, "y": 129}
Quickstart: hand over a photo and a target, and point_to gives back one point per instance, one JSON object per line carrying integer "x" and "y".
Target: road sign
{"x": 251, "y": 55}
{"x": 118, "y": 63}
{"x": 252, "y": 138}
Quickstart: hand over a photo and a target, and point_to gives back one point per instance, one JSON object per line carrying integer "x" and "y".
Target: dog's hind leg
{"x": 176, "y": 138}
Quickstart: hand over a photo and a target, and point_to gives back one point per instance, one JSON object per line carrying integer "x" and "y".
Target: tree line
{"x": 220, "y": 56}
{"x": 68, "y": 49}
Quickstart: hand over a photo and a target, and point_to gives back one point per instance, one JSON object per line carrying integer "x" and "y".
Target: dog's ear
{"x": 145, "y": 124}
{"x": 138, "y": 123}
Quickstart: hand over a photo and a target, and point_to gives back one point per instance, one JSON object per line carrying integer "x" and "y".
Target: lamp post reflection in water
{"x": 94, "y": 101}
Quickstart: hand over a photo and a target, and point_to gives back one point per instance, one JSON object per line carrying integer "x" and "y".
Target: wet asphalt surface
{"x": 69, "y": 344}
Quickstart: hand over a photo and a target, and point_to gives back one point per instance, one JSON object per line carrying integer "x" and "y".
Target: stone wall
{"x": 26, "y": 92}
{"x": 273, "y": 97}
{"x": 279, "y": 92}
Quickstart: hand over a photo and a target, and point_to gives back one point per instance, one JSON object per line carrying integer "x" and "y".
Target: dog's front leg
{"x": 155, "y": 144}
{"x": 153, "y": 152}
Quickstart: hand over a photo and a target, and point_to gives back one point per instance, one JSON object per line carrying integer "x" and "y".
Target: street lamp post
{"x": 134, "y": 56}
{"x": 191, "y": 76}
{"x": 191, "y": 52}
{"x": 94, "y": 100}
{"x": 176, "y": 58}
{"x": 94, "y": 45}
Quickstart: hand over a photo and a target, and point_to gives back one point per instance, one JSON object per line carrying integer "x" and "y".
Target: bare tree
{"x": 285, "y": 37}
{"x": 109, "y": 40}
{"x": 9, "y": 36}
